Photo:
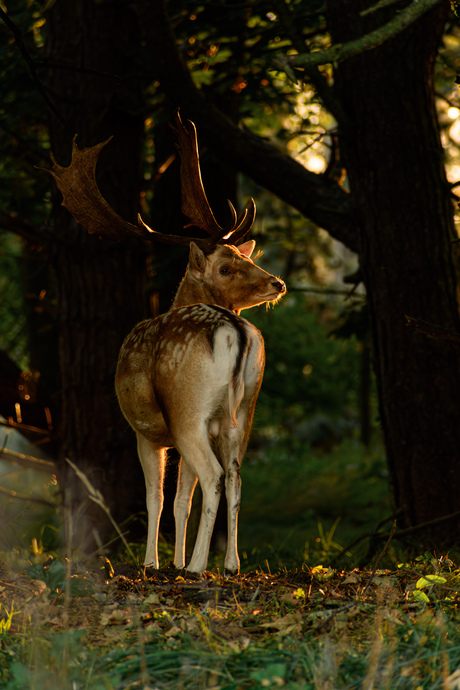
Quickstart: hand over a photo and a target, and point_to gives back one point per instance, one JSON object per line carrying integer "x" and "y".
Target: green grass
{"x": 302, "y": 506}
{"x": 280, "y": 636}
{"x": 329, "y": 629}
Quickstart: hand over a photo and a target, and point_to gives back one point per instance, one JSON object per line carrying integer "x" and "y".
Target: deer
{"x": 187, "y": 379}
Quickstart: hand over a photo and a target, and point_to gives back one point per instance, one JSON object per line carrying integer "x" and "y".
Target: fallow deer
{"x": 189, "y": 378}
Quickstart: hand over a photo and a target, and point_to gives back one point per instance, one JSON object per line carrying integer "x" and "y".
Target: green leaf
{"x": 78, "y": 587}
{"x": 37, "y": 572}
{"x": 272, "y": 673}
{"x": 417, "y": 595}
{"x": 322, "y": 573}
{"x": 430, "y": 580}
{"x": 56, "y": 575}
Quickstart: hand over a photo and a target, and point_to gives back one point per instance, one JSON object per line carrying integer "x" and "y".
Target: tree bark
{"x": 94, "y": 83}
{"x": 404, "y": 211}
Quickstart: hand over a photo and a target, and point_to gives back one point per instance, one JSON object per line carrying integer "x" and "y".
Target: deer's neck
{"x": 196, "y": 292}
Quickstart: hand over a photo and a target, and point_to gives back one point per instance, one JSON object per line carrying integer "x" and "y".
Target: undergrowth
{"x": 303, "y": 613}
{"x": 299, "y": 505}
{"x": 318, "y": 628}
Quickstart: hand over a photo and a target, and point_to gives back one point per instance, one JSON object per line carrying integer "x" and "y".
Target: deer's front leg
{"x": 153, "y": 463}
{"x": 186, "y": 483}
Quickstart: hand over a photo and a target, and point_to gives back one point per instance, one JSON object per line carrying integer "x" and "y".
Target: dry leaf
{"x": 229, "y": 631}
{"x": 172, "y": 632}
{"x": 351, "y": 579}
{"x": 452, "y": 682}
{"x": 292, "y": 622}
{"x": 116, "y": 617}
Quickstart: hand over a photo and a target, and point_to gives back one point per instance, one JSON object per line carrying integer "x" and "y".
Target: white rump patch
{"x": 226, "y": 350}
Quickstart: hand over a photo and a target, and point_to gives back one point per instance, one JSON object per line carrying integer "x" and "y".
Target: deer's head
{"x": 223, "y": 272}
{"x": 228, "y": 277}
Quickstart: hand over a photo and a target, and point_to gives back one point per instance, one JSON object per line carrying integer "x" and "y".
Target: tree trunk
{"x": 100, "y": 285}
{"x": 394, "y": 159}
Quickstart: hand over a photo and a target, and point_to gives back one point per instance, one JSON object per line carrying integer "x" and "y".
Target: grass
{"x": 290, "y": 620}
{"x": 302, "y": 506}
{"x": 337, "y": 630}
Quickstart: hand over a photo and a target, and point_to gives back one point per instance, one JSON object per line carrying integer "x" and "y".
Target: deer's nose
{"x": 279, "y": 285}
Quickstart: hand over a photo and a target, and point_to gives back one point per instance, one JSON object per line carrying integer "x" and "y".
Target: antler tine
{"x": 231, "y": 226}
{"x": 81, "y": 195}
{"x": 195, "y": 204}
{"x": 244, "y": 222}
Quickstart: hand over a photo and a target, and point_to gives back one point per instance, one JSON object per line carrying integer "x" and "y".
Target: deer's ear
{"x": 246, "y": 248}
{"x": 197, "y": 259}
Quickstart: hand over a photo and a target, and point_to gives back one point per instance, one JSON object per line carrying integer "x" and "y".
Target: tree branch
{"x": 315, "y": 196}
{"x": 432, "y": 331}
{"x": 28, "y": 462}
{"x": 343, "y": 51}
{"x": 20, "y": 43}
{"x": 319, "y": 81}
{"x": 25, "y": 497}
{"x": 24, "y": 229}
{"x": 378, "y": 6}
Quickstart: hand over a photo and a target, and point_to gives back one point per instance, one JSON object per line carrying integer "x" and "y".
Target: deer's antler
{"x": 195, "y": 204}
{"x": 81, "y": 196}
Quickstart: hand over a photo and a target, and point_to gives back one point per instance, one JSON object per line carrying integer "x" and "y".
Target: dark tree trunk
{"x": 100, "y": 285}
{"x": 394, "y": 159}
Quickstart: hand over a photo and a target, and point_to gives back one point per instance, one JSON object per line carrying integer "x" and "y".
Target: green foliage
{"x": 57, "y": 579}
{"x": 23, "y": 132}
{"x": 318, "y": 502}
{"x": 5, "y": 623}
{"x": 227, "y": 35}
{"x": 24, "y": 191}
{"x": 307, "y": 372}
{"x": 438, "y": 581}
{"x": 56, "y": 661}
{"x": 13, "y": 326}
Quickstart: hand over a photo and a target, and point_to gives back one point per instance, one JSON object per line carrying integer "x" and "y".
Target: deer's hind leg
{"x": 152, "y": 458}
{"x": 232, "y": 444}
{"x": 196, "y": 452}
{"x": 188, "y": 425}
{"x": 186, "y": 483}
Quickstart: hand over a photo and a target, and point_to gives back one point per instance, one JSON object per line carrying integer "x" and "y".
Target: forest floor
{"x": 118, "y": 626}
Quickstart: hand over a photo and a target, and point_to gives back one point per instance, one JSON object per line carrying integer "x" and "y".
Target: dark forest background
{"x": 353, "y": 160}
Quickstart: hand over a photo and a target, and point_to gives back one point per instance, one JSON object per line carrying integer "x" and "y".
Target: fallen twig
{"x": 431, "y": 330}
{"x": 28, "y": 462}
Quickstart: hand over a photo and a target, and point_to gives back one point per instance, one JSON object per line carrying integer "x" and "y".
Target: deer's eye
{"x": 225, "y": 271}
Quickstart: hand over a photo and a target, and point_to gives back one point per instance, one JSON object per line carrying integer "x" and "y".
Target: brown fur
{"x": 195, "y": 373}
